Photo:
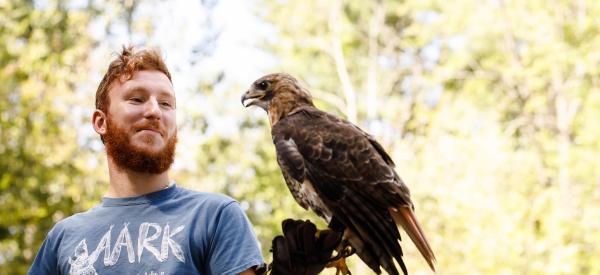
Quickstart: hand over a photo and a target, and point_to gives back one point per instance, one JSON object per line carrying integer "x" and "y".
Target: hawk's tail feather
{"x": 405, "y": 217}
{"x": 366, "y": 221}
{"x": 385, "y": 230}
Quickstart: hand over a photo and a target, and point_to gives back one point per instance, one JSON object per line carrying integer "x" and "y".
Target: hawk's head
{"x": 277, "y": 93}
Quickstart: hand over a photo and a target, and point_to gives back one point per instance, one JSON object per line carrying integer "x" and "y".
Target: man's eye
{"x": 136, "y": 99}
{"x": 166, "y": 104}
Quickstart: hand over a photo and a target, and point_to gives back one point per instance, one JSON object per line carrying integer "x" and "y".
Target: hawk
{"x": 340, "y": 172}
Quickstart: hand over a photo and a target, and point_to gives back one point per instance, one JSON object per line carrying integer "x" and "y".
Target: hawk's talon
{"x": 348, "y": 251}
{"x": 340, "y": 266}
{"x": 339, "y": 260}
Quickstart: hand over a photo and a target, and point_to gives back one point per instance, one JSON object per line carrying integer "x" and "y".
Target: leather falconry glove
{"x": 300, "y": 251}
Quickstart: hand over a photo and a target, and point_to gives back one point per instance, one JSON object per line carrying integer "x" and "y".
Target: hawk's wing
{"x": 351, "y": 177}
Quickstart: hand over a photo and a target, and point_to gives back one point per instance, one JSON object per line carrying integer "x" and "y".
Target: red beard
{"x": 126, "y": 156}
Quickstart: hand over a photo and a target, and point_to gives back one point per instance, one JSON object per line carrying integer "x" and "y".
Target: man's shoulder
{"x": 205, "y": 206}
{"x": 71, "y": 222}
{"x": 204, "y": 197}
{"x": 78, "y": 217}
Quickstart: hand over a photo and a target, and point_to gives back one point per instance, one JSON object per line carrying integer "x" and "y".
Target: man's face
{"x": 141, "y": 130}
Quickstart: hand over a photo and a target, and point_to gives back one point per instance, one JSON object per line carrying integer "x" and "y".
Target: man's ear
{"x": 99, "y": 122}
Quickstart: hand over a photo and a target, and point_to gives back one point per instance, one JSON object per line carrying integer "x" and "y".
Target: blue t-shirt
{"x": 171, "y": 231}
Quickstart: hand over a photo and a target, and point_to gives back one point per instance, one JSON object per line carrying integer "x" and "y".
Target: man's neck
{"x": 128, "y": 183}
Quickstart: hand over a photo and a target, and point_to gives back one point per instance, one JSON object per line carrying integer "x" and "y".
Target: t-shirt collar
{"x": 142, "y": 199}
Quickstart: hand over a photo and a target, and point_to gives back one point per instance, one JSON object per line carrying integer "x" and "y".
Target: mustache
{"x": 150, "y": 125}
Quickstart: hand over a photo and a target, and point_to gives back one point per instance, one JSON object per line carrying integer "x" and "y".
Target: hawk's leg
{"x": 340, "y": 267}
{"x": 339, "y": 261}
{"x": 344, "y": 249}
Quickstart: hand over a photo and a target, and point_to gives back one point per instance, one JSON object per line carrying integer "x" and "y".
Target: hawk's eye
{"x": 263, "y": 85}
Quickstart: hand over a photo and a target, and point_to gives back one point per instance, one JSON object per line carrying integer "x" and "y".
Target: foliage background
{"x": 489, "y": 108}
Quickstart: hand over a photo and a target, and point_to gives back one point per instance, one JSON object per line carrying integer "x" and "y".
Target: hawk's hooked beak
{"x": 255, "y": 98}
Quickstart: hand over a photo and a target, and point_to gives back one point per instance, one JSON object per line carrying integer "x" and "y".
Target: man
{"x": 145, "y": 223}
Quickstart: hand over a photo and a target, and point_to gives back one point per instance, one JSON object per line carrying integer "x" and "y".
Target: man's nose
{"x": 152, "y": 109}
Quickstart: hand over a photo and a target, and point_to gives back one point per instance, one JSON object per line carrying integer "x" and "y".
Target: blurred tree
{"x": 533, "y": 71}
{"x": 42, "y": 51}
{"x": 487, "y": 107}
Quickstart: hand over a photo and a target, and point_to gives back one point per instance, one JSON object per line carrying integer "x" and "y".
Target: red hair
{"x": 123, "y": 67}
